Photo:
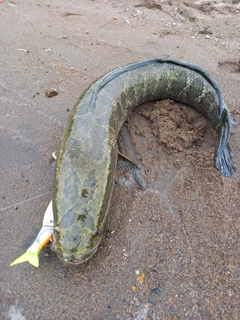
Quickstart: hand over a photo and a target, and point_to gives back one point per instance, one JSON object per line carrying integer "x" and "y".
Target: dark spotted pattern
{"x": 88, "y": 152}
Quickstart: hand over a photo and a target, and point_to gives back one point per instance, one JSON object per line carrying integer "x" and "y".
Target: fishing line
{"x": 16, "y": 204}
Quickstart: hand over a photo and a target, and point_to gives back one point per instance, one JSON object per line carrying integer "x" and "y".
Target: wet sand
{"x": 182, "y": 232}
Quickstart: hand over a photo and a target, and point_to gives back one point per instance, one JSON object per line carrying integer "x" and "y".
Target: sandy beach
{"x": 182, "y": 232}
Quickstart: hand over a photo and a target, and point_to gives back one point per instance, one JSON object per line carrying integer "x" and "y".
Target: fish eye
{"x": 95, "y": 232}
{"x": 59, "y": 252}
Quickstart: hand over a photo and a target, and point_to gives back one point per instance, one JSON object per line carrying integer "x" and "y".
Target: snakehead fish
{"x": 88, "y": 152}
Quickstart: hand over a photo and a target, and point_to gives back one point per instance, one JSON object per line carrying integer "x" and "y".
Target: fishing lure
{"x": 43, "y": 237}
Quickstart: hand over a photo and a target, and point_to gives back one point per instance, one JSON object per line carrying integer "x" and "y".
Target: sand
{"x": 182, "y": 232}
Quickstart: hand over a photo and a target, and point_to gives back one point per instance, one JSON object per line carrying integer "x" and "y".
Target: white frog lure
{"x": 43, "y": 237}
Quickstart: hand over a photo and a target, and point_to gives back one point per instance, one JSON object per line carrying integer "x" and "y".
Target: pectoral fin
{"x": 130, "y": 173}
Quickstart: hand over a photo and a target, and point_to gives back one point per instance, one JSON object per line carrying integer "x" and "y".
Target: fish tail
{"x": 222, "y": 162}
{"x": 223, "y": 154}
{"x": 32, "y": 258}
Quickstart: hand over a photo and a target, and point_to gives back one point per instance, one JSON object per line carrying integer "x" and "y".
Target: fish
{"x": 43, "y": 237}
{"x": 88, "y": 154}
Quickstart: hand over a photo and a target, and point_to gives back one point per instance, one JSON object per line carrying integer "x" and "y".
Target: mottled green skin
{"x": 88, "y": 152}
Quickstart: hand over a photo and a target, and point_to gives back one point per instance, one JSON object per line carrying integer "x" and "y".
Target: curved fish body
{"x": 88, "y": 153}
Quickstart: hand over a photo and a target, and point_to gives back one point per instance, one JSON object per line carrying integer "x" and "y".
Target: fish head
{"x": 75, "y": 245}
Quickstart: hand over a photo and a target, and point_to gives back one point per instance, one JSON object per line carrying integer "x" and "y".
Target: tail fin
{"x": 223, "y": 154}
{"x": 32, "y": 258}
{"x": 222, "y": 162}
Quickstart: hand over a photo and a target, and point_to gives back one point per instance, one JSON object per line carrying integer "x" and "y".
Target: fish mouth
{"x": 79, "y": 259}
{"x": 75, "y": 260}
